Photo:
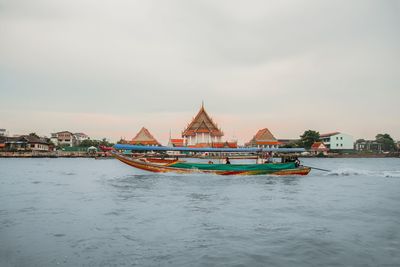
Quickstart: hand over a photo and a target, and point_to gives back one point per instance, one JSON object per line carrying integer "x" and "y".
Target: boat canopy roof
{"x": 207, "y": 149}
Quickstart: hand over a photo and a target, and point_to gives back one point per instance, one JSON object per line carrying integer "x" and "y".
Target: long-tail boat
{"x": 177, "y": 166}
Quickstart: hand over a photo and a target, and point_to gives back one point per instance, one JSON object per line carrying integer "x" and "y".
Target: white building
{"x": 337, "y": 141}
{"x": 64, "y": 138}
{"x": 2, "y": 132}
{"x": 79, "y": 137}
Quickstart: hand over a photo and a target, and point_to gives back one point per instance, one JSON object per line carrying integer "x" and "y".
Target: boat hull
{"x": 155, "y": 167}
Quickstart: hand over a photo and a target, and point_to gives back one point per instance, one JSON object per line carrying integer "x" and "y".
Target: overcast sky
{"x": 107, "y": 68}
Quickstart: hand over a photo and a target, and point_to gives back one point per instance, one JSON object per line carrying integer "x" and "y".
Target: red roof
{"x": 177, "y": 142}
{"x": 218, "y": 145}
{"x": 224, "y": 144}
{"x": 200, "y": 145}
{"x": 232, "y": 144}
{"x": 319, "y": 146}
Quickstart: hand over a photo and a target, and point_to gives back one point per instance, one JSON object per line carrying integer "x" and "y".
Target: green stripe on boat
{"x": 235, "y": 167}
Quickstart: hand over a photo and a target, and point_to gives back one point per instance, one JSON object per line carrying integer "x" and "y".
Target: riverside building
{"x": 202, "y": 131}
{"x": 337, "y": 141}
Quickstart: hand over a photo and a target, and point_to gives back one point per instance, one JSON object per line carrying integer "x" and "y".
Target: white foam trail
{"x": 356, "y": 172}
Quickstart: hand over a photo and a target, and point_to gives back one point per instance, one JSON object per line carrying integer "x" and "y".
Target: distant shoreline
{"x": 100, "y": 155}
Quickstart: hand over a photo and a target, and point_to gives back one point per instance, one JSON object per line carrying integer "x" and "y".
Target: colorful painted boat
{"x": 220, "y": 169}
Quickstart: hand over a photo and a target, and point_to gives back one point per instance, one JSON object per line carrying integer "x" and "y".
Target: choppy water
{"x": 85, "y": 212}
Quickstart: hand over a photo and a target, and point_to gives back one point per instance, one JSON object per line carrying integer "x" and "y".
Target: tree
{"x": 104, "y": 142}
{"x": 34, "y": 135}
{"x": 95, "y": 143}
{"x": 386, "y": 142}
{"x": 122, "y": 141}
{"x": 88, "y": 143}
{"x": 308, "y": 138}
{"x": 293, "y": 144}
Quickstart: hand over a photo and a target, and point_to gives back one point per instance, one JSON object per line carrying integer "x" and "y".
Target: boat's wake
{"x": 357, "y": 172}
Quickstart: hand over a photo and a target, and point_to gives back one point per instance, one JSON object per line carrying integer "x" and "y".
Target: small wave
{"x": 59, "y": 235}
{"x": 392, "y": 174}
{"x": 348, "y": 172}
{"x": 68, "y": 173}
{"x": 356, "y": 172}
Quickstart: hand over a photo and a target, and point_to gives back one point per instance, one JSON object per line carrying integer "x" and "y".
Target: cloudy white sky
{"x": 107, "y": 68}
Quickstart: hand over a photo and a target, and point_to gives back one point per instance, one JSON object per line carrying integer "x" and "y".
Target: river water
{"x": 86, "y": 212}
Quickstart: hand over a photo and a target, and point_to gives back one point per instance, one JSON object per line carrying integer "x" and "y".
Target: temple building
{"x": 263, "y": 139}
{"x": 177, "y": 142}
{"x": 144, "y": 138}
{"x": 202, "y": 131}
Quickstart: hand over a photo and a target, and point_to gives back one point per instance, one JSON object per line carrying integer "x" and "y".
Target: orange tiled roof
{"x": 264, "y": 134}
{"x": 200, "y": 145}
{"x": 263, "y": 137}
{"x": 268, "y": 142}
{"x": 177, "y": 142}
{"x": 202, "y": 123}
{"x": 232, "y": 144}
{"x": 144, "y": 137}
{"x": 217, "y": 145}
{"x": 224, "y": 144}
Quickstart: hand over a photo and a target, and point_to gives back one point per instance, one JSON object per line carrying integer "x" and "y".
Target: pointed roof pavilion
{"x": 202, "y": 123}
{"x": 263, "y": 137}
{"x": 144, "y": 137}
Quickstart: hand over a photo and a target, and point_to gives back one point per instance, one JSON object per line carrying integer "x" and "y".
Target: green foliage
{"x": 308, "y": 138}
{"x": 95, "y": 143}
{"x": 122, "y": 141}
{"x": 34, "y": 135}
{"x": 87, "y": 143}
{"x": 51, "y": 143}
{"x": 61, "y": 146}
{"x": 104, "y": 142}
{"x": 386, "y": 141}
{"x": 295, "y": 144}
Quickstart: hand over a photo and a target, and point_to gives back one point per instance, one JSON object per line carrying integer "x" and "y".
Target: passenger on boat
{"x": 268, "y": 158}
{"x": 227, "y": 161}
{"x": 210, "y": 162}
{"x": 297, "y": 162}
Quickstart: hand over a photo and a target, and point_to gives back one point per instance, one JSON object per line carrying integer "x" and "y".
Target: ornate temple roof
{"x": 263, "y": 137}
{"x": 202, "y": 123}
{"x": 144, "y": 137}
